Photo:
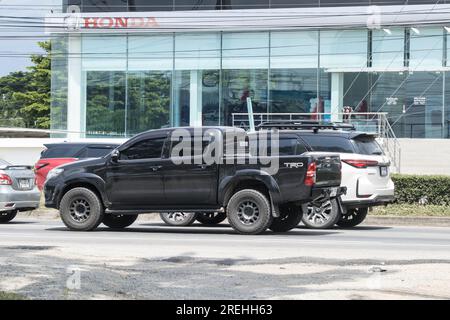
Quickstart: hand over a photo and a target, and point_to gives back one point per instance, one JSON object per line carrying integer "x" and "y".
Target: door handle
{"x": 202, "y": 166}
{"x": 155, "y": 168}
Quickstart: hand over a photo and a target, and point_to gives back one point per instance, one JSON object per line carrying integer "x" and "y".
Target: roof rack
{"x": 305, "y": 124}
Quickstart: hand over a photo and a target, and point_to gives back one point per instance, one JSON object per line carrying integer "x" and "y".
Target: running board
{"x": 132, "y": 212}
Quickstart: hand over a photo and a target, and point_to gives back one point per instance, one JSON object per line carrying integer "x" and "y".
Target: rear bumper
{"x": 326, "y": 192}
{"x": 11, "y": 199}
{"x": 377, "y": 201}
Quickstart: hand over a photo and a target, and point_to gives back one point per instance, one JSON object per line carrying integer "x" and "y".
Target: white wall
{"x": 27, "y": 151}
{"x": 425, "y": 156}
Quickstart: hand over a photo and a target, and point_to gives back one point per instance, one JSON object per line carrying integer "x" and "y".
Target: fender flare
{"x": 230, "y": 182}
{"x": 89, "y": 179}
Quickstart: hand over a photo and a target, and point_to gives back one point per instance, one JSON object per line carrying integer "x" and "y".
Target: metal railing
{"x": 372, "y": 122}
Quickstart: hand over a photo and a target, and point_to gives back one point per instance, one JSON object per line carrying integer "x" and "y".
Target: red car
{"x": 57, "y": 154}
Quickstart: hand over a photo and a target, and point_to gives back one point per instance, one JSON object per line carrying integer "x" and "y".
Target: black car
{"x": 143, "y": 175}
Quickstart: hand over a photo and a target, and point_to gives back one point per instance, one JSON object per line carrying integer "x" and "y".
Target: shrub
{"x": 415, "y": 189}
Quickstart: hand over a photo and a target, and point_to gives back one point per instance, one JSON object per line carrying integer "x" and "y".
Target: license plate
{"x": 383, "y": 171}
{"x": 24, "y": 184}
{"x": 333, "y": 192}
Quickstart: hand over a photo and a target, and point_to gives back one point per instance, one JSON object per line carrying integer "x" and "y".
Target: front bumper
{"x": 11, "y": 199}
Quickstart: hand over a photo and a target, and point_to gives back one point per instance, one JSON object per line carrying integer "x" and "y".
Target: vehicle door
{"x": 135, "y": 180}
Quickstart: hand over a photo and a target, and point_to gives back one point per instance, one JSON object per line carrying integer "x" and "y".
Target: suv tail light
{"x": 310, "y": 178}
{"x": 361, "y": 164}
{"x": 5, "y": 179}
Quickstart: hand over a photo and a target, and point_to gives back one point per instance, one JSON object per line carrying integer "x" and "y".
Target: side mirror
{"x": 115, "y": 155}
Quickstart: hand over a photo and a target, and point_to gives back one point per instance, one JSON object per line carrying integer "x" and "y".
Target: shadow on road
{"x": 192, "y": 230}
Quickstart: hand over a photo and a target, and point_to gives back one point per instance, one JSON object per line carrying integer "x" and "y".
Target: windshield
{"x": 367, "y": 145}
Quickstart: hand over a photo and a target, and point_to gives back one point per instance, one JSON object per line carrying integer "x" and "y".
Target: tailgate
{"x": 328, "y": 169}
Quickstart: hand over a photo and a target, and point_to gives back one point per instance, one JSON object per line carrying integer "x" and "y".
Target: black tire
{"x": 249, "y": 212}
{"x": 178, "y": 219}
{"x": 119, "y": 221}
{"x": 211, "y": 218}
{"x": 353, "y": 217}
{"x": 81, "y": 209}
{"x": 323, "y": 217}
{"x": 7, "y": 216}
{"x": 290, "y": 217}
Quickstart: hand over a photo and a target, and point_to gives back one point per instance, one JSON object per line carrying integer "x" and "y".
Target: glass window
{"x": 294, "y": 49}
{"x": 293, "y": 90}
{"x": 146, "y": 149}
{"x": 367, "y": 145}
{"x": 343, "y": 49}
{"x": 181, "y": 5}
{"x": 150, "y": 5}
{"x": 426, "y": 46}
{"x": 104, "y": 53}
{"x": 58, "y": 107}
{"x": 239, "y": 84}
{"x": 150, "y": 52}
{"x": 148, "y": 100}
{"x": 197, "y": 51}
{"x": 329, "y": 143}
{"x": 293, "y": 3}
{"x": 105, "y": 6}
{"x": 62, "y": 151}
{"x": 289, "y": 147}
{"x": 447, "y": 106}
{"x": 388, "y": 48}
{"x": 95, "y": 152}
{"x": 344, "y": 3}
{"x": 105, "y": 103}
{"x": 245, "y": 50}
{"x": 247, "y": 4}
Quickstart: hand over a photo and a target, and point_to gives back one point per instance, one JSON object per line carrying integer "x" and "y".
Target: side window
{"x": 289, "y": 147}
{"x": 94, "y": 152}
{"x": 145, "y": 149}
{"x": 195, "y": 150}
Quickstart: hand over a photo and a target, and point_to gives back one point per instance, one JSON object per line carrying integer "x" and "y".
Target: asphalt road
{"x": 42, "y": 259}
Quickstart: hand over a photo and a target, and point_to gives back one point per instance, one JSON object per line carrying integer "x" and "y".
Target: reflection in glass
{"x": 239, "y": 84}
{"x": 148, "y": 101}
{"x": 105, "y": 103}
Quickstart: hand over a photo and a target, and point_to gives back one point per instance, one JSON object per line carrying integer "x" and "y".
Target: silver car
{"x": 18, "y": 190}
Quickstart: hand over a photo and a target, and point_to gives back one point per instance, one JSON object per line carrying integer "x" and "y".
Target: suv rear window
{"x": 367, "y": 145}
{"x": 68, "y": 151}
{"x": 95, "y": 152}
{"x": 329, "y": 143}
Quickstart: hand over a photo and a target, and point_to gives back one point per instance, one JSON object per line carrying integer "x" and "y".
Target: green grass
{"x": 11, "y": 296}
{"x": 412, "y": 210}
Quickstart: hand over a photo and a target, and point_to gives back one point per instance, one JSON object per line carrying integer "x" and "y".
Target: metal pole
{"x": 251, "y": 120}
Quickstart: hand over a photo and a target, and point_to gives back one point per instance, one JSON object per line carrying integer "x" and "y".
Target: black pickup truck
{"x": 143, "y": 175}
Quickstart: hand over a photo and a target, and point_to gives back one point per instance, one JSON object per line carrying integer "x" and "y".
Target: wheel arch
{"x": 249, "y": 179}
{"x": 93, "y": 183}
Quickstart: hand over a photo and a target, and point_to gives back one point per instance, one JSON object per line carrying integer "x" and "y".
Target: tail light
{"x": 5, "y": 179}
{"x": 361, "y": 164}
{"x": 310, "y": 178}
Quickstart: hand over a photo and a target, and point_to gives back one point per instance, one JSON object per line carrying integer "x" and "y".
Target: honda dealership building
{"x": 120, "y": 67}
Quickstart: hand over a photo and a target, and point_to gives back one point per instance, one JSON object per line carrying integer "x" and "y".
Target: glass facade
{"x": 135, "y": 82}
{"x": 180, "y": 5}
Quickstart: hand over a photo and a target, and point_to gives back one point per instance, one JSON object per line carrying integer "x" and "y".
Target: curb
{"x": 407, "y": 221}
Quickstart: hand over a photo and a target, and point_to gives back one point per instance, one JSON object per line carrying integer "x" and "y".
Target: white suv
{"x": 365, "y": 173}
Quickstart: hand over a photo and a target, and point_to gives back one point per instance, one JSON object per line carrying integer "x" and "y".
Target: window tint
{"x": 66, "y": 151}
{"x": 329, "y": 144}
{"x": 146, "y": 149}
{"x": 95, "y": 152}
{"x": 286, "y": 147}
{"x": 368, "y": 145}
{"x": 291, "y": 147}
{"x": 195, "y": 150}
